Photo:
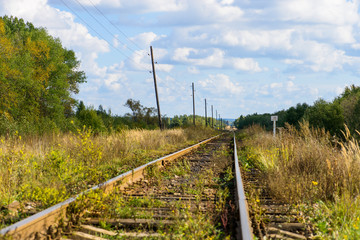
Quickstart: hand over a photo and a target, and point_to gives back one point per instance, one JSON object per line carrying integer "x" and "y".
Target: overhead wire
{"x": 125, "y": 45}
{"x": 105, "y": 28}
{"x": 115, "y": 25}
{"x": 93, "y": 29}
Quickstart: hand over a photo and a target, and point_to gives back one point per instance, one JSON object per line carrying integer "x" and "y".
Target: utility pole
{"x": 193, "y": 95}
{"x": 216, "y": 123}
{"x": 206, "y": 122}
{"x": 155, "y": 85}
{"x": 221, "y": 123}
{"x": 212, "y": 117}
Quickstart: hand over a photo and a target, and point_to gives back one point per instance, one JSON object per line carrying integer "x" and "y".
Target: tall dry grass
{"x": 306, "y": 164}
{"x": 48, "y": 169}
{"x": 308, "y": 167}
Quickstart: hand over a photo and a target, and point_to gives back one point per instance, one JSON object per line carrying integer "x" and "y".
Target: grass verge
{"x": 37, "y": 172}
{"x": 317, "y": 173}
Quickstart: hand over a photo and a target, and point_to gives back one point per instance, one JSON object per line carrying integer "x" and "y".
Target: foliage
{"x": 307, "y": 167}
{"x": 37, "y": 75}
{"x": 43, "y": 170}
{"x": 349, "y": 102}
{"x": 292, "y": 116}
{"x": 326, "y": 115}
{"x": 88, "y": 116}
{"x": 331, "y": 116}
{"x": 335, "y": 220}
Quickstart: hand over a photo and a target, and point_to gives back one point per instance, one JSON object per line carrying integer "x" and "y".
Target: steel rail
{"x": 245, "y": 230}
{"x": 42, "y": 221}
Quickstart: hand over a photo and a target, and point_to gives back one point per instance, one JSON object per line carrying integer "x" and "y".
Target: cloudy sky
{"x": 244, "y": 56}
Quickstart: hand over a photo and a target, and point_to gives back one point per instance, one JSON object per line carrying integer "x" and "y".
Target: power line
{"x": 115, "y": 25}
{"x": 105, "y": 28}
{"x": 127, "y": 57}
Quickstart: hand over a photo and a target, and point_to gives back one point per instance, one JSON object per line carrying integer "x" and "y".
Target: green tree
{"x": 349, "y": 101}
{"x": 326, "y": 115}
{"x": 88, "y": 117}
{"x": 38, "y": 76}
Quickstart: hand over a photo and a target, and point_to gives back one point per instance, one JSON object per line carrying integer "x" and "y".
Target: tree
{"x": 295, "y": 114}
{"x": 142, "y": 116}
{"x": 88, "y": 117}
{"x": 38, "y": 76}
{"x": 349, "y": 101}
{"x": 326, "y": 115}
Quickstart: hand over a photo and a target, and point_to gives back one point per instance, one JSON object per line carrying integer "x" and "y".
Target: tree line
{"x": 332, "y": 116}
{"x": 140, "y": 116}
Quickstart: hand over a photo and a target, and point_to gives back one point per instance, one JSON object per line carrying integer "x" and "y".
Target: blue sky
{"x": 243, "y": 56}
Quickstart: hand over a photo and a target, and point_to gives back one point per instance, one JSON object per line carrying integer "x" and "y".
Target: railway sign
{"x": 274, "y": 118}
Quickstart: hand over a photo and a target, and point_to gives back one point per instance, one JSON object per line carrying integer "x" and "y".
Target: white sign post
{"x": 274, "y": 119}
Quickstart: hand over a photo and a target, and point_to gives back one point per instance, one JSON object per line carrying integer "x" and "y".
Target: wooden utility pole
{"x": 156, "y": 91}
{"x": 212, "y": 117}
{"x": 216, "y": 123}
{"x": 193, "y": 95}
{"x": 220, "y": 121}
{"x": 206, "y": 122}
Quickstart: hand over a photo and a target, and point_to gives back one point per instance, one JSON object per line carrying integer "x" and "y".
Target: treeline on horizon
{"x": 39, "y": 79}
{"x": 101, "y": 120}
{"x": 332, "y": 116}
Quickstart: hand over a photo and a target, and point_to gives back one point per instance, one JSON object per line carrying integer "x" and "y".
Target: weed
{"x": 307, "y": 165}
{"x": 48, "y": 169}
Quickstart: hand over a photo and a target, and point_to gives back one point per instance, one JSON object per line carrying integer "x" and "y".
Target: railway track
{"x": 271, "y": 218}
{"x": 191, "y": 194}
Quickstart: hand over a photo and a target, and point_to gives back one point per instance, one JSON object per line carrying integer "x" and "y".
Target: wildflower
{"x": 314, "y": 183}
{"x": 257, "y": 200}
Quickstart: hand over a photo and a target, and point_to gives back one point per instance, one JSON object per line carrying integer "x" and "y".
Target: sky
{"x": 243, "y": 56}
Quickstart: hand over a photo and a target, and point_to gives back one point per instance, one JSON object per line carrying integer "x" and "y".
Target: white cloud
{"x": 220, "y": 84}
{"x": 202, "y": 12}
{"x": 246, "y": 64}
{"x": 320, "y": 56}
{"x": 285, "y": 91}
{"x": 140, "y": 60}
{"x": 139, "y": 6}
{"x": 193, "y": 70}
{"x": 293, "y": 61}
{"x": 291, "y": 77}
{"x": 59, "y": 23}
{"x": 227, "y": 2}
{"x": 197, "y": 57}
{"x": 335, "y": 12}
{"x": 256, "y": 39}
{"x": 146, "y": 38}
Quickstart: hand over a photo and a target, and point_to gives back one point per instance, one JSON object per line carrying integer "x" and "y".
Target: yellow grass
{"x": 48, "y": 169}
{"x": 311, "y": 169}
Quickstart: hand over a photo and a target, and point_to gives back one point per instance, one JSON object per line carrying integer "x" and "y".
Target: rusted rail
{"x": 244, "y": 228}
{"x": 39, "y": 224}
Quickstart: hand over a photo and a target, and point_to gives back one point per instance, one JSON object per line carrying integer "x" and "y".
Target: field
{"x": 317, "y": 173}
{"x": 38, "y": 172}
